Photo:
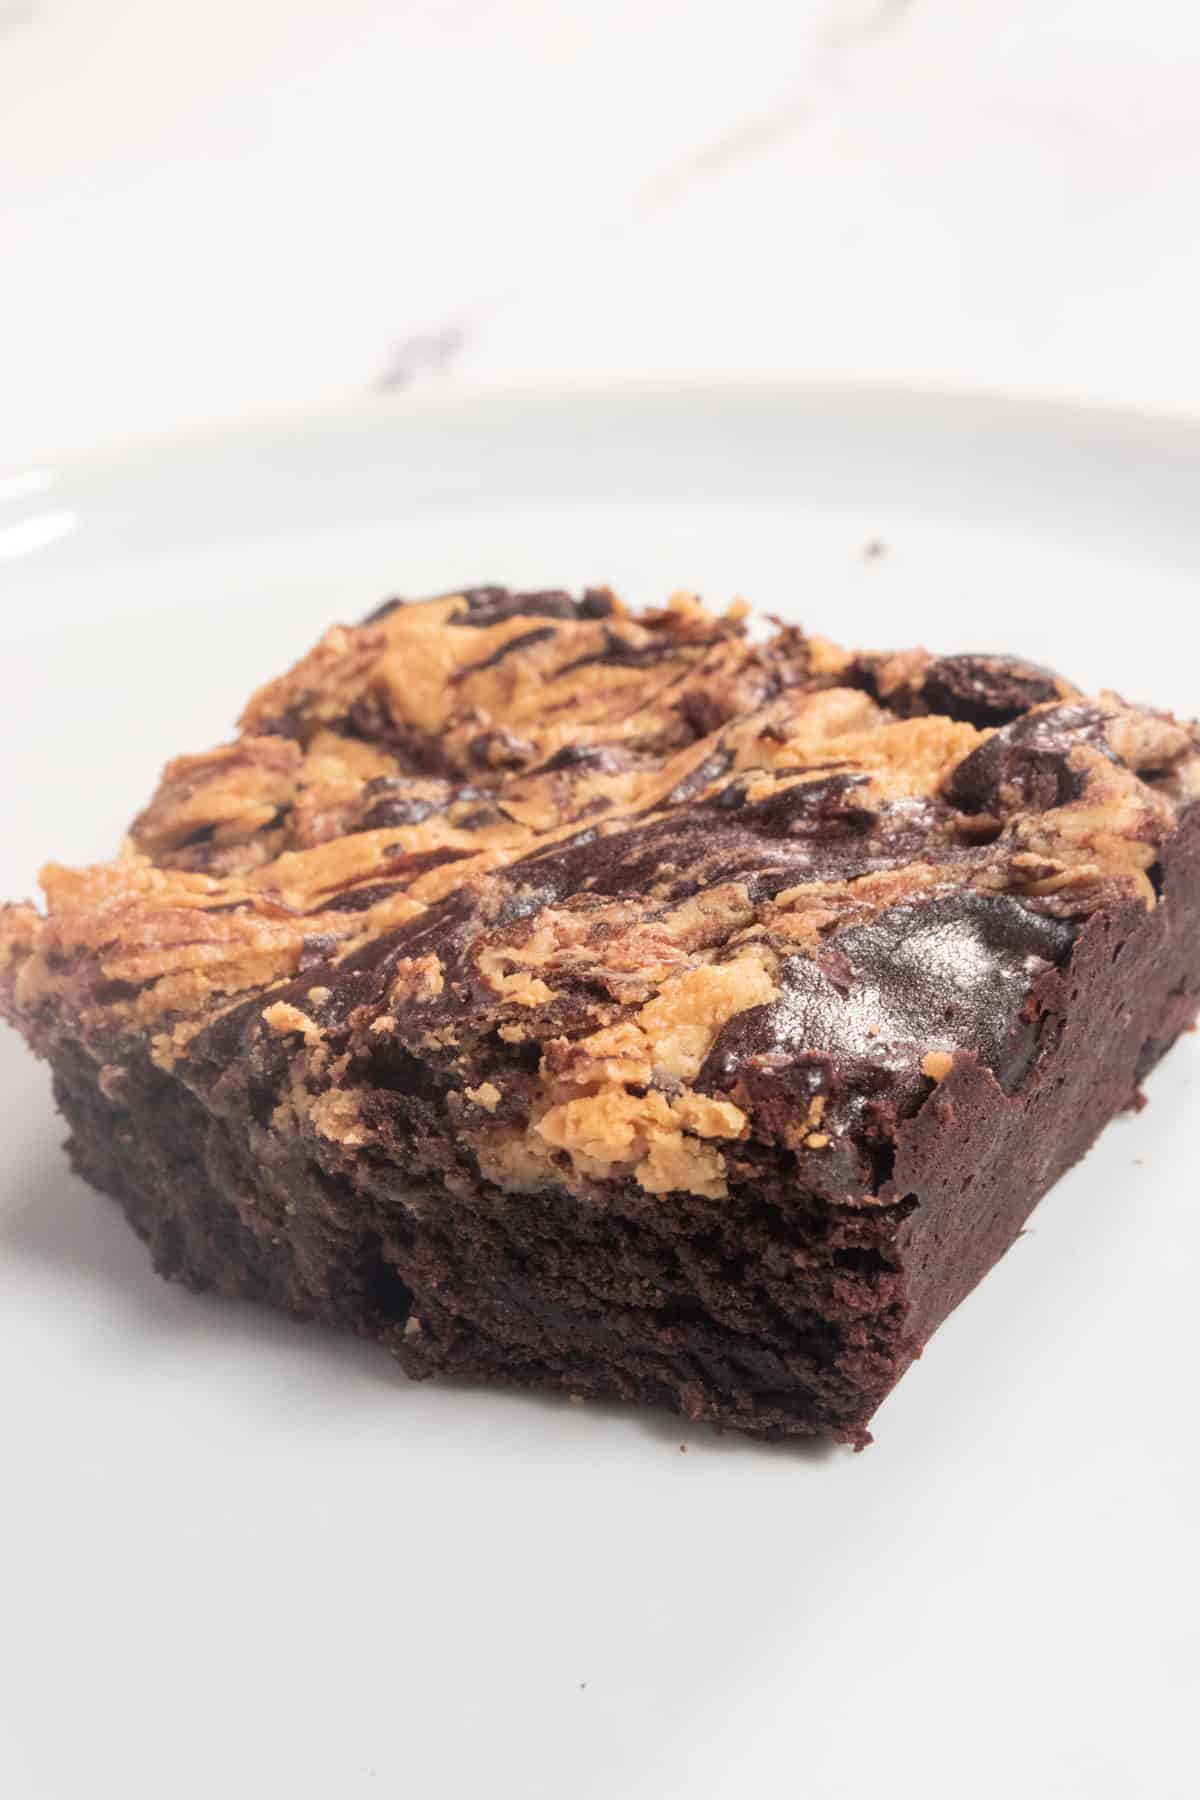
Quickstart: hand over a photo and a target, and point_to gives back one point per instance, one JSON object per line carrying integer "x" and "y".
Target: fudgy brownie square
{"x": 630, "y": 1005}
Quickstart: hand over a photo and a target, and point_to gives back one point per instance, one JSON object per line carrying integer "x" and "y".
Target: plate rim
{"x": 932, "y": 399}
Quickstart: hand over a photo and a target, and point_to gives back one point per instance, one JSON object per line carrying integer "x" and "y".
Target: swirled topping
{"x": 616, "y": 896}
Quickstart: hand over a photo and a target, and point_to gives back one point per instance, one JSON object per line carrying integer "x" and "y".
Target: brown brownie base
{"x": 771, "y": 1311}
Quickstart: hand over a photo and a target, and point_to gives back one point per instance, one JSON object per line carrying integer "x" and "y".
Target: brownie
{"x": 637, "y": 1005}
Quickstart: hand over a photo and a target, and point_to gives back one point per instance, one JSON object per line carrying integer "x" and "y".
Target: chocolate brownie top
{"x": 614, "y": 897}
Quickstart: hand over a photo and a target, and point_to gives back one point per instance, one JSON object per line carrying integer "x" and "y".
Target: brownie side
{"x": 770, "y": 1314}
{"x": 978, "y": 1159}
{"x": 622, "y": 1005}
{"x": 143, "y": 1143}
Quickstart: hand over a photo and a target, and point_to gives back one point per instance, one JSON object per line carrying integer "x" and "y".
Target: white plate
{"x": 245, "y": 1558}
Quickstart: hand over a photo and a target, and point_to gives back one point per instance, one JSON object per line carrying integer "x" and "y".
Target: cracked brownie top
{"x": 614, "y": 897}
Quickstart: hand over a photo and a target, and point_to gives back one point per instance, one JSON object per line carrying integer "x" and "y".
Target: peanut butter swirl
{"x": 615, "y": 896}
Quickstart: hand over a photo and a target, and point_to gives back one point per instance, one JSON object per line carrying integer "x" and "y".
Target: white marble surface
{"x": 209, "y": 212}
